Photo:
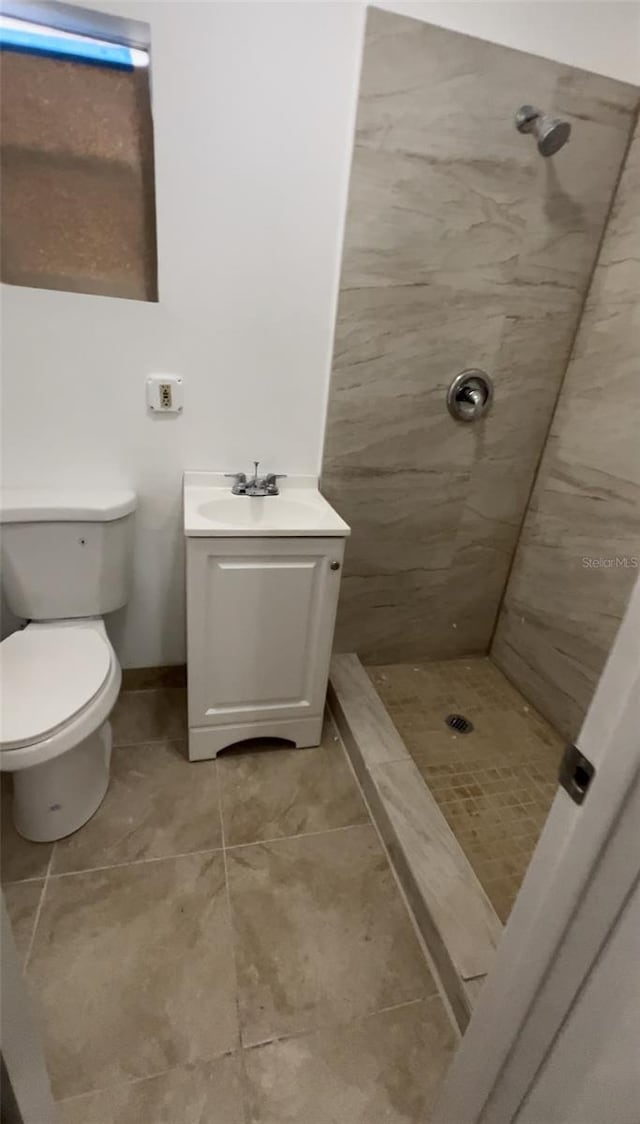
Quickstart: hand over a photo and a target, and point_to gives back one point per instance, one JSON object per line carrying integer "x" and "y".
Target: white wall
{"x": 254, "y": 107}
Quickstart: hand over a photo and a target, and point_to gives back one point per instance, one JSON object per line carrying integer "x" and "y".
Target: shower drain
{"x": 460, "y": 723}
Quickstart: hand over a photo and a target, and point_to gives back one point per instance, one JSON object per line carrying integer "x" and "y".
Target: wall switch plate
{"x": 165, "y": 394}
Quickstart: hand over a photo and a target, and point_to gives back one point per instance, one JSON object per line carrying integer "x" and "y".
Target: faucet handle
{"x": 271, "y": 481}
{"x": 239, "y": 482}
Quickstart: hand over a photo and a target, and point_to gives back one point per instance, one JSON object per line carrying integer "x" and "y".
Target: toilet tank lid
{"x": 96, "y": 505}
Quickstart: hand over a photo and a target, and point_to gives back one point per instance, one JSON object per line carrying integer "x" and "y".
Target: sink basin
{"x": 210, "y": 509}
{"x": 255, "y": 511}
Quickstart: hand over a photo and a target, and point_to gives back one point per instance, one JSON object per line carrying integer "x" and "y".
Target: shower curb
{"x": 451, "y": 909}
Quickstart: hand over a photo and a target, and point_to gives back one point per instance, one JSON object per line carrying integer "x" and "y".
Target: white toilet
{"x": 65, "y": 563}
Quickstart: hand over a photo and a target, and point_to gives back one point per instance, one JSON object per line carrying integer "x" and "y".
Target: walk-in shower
{"x": 474, "y": 585}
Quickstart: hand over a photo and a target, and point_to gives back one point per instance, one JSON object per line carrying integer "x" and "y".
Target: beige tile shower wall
{"x": 463, "y": 247}
{"x": 579, "y": 552}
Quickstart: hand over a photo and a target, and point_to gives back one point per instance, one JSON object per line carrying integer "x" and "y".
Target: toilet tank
{"x": 66, "y": 554}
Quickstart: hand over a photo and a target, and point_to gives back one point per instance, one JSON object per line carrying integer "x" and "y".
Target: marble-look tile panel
{"x": 395, "y": 88}
{"x": 579, "y": 553}
{"x": 365, "y": 713}
{"x": 393, "y": 502}
{"x": 391, "y": 253}
{"x": 268, "y": 792}
{"x": 396, "y": 616}
{"x": 204, "y": 1093}
{"x": 449, "y": 907}
{"x": 398, "y": 564}
{"x": 393, "y": 358}
{"x": 594, "y": 97}
{"x": 473, "y": 989}
{"x": 384, "y": 1069}
{"x": 158, "y": 804}
{"x": 524, "y": 396}
{"x": 132, "y": 968}
{"x": 463, "y": 247}
{"x": 321, "y": 934}
{"x": 458, "y": 907}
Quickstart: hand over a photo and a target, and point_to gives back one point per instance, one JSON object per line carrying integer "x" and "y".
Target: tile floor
{"x": 495, "y": 784}
{"x": 224, "y": 942}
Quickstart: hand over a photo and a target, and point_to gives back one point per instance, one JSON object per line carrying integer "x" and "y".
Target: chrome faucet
{"x": 256, "y": 486}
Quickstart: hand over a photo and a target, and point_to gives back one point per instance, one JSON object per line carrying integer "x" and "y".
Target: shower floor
{"x": 494, "y": 784}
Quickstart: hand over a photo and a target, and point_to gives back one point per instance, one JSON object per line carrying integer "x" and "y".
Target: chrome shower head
{"x": 550, "y": 133}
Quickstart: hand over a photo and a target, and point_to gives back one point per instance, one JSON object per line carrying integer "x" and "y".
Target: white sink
{"x": 210, "y": 509}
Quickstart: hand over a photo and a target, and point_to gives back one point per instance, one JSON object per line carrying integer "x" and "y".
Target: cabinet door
{"x": 260, "y": 619}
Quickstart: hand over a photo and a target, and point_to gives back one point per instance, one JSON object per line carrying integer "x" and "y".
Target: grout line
{"x": 240, "y": 1050}
{"x": 36, "y": 919}
{"x": 25, "y": 881}
{"x": 234, "y": 957}
{"x": 145, "y": 1077}
{"x": 201, "y": 851}
{"x": 300, "y": 835}
{"x": 321, "y": 1027}
{"x": 137, "y": 862}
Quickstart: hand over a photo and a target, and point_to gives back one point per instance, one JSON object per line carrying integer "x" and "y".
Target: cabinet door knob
{"x": 334, "y": 565}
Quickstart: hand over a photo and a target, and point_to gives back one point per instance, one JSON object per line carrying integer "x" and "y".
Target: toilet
{"x": 65, "y": 563}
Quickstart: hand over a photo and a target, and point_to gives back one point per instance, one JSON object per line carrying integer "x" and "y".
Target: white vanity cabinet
{"x": 260, "y": 620}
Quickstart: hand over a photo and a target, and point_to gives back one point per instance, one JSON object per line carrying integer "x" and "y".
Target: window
{"x": 77, "y": 208}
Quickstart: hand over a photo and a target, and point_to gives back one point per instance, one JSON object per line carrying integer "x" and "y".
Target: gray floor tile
{"x": 22, "y": 900}
{"x": 384, "y": 1069}
{"x": 271, "y": 792}
{"x": 158, "y": 804}
{"x": 321, "y": 933}
{"x": 144, "y": 716}
{"x": 133, "y": 969}
{"x": 206, "y": 1093}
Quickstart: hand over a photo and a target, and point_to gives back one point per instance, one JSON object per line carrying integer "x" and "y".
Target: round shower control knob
{"x": 334, "y": 565}
{"x": 470, "y": 395}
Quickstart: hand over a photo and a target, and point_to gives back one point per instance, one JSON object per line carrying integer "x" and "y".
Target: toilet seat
{"x": 47, "y": 675}
{"x": 89, "y": 693}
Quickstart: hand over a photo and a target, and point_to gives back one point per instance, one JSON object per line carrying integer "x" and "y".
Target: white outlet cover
{"x": 165, "y": 394}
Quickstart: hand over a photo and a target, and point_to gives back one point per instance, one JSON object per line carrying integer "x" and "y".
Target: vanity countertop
{"x": 299, "y": 510}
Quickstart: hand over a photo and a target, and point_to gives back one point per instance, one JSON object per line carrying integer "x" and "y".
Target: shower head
{"x": 550, "y": 133}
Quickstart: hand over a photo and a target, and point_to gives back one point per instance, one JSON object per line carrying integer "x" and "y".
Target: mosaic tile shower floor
{"x": 494, "y": 784}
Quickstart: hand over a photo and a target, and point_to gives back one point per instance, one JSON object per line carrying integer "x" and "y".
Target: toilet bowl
{"x": 65, "y": 563}
{"x": 58, "y": 682}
